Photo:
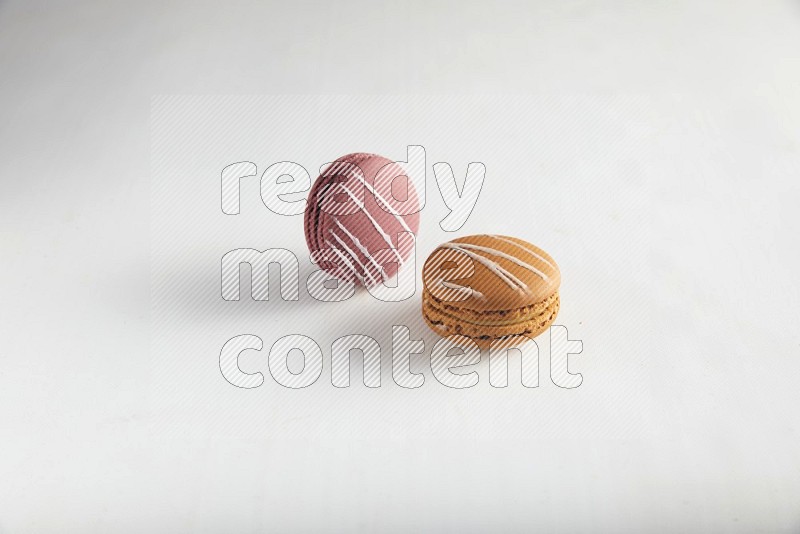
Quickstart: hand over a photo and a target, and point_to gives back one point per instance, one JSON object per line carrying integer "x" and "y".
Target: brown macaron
{"x": 488, "y": 287}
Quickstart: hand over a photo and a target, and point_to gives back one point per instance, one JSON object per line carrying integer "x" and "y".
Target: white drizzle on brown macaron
{"x": 507, "y": 272}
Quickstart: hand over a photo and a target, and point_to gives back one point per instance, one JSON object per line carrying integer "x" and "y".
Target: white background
{"x": 651, "y": 148}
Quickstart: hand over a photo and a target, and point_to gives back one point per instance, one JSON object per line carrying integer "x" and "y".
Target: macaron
{"x": 356, "y": 210}
{"x": 490, "y": 287}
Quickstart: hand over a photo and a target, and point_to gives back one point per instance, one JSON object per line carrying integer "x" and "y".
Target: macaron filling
{"x": 490, "y": 317}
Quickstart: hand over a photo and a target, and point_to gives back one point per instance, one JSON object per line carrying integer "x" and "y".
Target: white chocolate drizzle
{"x": 461, "y": 289}
{"x": 338, "y": 252}
{"x": 353, "y": 256}
{"x": 376, "y": 225}
{"x": 383, "y": 201}
{"x": 503, "y": 274}
{"x": 358, "y": 244}
{"x": 523, "y": 247}
{"x": 509, "y": 257}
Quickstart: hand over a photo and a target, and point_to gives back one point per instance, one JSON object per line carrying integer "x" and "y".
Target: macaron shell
{"x": 508, "y": 272}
